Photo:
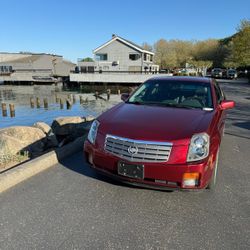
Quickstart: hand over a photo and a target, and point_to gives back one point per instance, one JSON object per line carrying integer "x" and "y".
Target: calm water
{"x": 25, "y": 115}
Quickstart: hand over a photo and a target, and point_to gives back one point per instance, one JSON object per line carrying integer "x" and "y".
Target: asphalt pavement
{"x": 69, "y": 206}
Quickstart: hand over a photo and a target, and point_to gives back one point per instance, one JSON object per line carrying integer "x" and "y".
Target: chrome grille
{"x": 138, "y": 150}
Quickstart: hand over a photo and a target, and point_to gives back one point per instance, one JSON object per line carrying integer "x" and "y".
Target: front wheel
{"x": 212, "y": 182}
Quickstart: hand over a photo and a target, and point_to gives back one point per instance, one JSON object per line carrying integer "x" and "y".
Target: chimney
{"x": 113, "y": 36}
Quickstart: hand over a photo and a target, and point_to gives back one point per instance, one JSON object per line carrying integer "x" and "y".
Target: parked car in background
{"x": 217, "y": 73}
{"x": 165, "y": 135}
{"x": 232, "y": 74}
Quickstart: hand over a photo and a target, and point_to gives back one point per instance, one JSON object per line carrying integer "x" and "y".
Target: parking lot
{"x": 69, "y": 206}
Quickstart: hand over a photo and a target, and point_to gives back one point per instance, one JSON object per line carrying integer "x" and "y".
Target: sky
{"x": 73, "y": 28}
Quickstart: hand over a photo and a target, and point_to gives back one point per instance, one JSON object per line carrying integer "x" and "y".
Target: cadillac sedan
{"x": 165, "y": 135}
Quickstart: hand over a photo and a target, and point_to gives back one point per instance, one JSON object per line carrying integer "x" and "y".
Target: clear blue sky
{"x": 73, "y": 28}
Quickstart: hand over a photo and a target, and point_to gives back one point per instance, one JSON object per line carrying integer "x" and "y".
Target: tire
{"x": 212, "y": 183}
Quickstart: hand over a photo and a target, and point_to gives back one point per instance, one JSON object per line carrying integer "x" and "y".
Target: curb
{"x": 28, "y": 169}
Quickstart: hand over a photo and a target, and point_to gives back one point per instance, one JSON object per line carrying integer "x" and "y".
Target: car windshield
{"x": 178, "y": 94}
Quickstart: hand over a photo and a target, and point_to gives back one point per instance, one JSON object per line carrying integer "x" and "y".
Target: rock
{"x": 89, "y": 118}
{"x": 66, "y": 125}
{"x": 10, "y": 145}
{"x": 26, "y": 138}
{"x": 27, "y": 135}
{"x": 43, "y": 126}
{"x": 51, "y": 138}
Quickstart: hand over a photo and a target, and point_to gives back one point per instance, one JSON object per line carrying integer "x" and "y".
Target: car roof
{"x": 182, "y": 79}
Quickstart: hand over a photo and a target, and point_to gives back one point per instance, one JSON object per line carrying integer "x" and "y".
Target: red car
{"x": 166, "y": 135}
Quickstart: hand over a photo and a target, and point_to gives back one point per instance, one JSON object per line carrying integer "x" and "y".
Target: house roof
{"x": 25, "y": 59}
{"x": 125, "y": 41}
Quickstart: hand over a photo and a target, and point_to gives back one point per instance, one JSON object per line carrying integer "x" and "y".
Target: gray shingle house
{"x": 120, "y": 55}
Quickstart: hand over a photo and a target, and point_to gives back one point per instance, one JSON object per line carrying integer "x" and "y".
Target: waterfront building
{"x": 29, "y": 68}
{"x": 120, "y": 55}
{"x": 116, "y": 61}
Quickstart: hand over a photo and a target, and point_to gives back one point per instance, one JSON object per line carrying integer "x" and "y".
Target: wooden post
{"x": 81, "y": 100}
{"x": 38, "y": 104}
{"x": 45, "y": 101}
{"x": 12, "y": 110}
{"x": 57, "y": 99}
{"x": 96, "y": 95}
{"x": 108, "y": 94}
{"x": 68, "y": 103}
{"x": 4, "y": 109}
{"x": 74, "y": 98}
{"x": 61, "y": 103}
{"x": 69, "y": 96}
{"x": 32, "y": 102}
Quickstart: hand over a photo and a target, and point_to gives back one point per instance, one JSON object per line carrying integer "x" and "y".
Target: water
{"x": 25, "y": 115}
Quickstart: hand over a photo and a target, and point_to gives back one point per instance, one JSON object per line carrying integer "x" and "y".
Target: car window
{"x": 218, "y": 92}
{"x": 174, "y": 93}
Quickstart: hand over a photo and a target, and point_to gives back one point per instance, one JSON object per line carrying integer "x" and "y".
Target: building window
{"x": 134, "y": 57}
{"x": 145, "y": 57}
{"x": 101, "y": 57}
{"x": 151, "y": 58}
{"x": 105, "y": 68}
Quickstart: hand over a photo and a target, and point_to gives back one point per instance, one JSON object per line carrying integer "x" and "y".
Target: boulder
{"x": 71, "y": 127}
{"x": 66, "y": 125}
{"x": 50, "y": 136}
{"x": 10, "y": 145}
{"x": 22, "y": 138}
{"x": 43, "y": 126}
{"x": 89, "y": 118}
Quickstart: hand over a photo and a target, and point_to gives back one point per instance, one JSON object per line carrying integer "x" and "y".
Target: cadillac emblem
{"x": 133, "y": 150}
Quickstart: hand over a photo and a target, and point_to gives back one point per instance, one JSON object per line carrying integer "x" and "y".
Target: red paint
{"x": 166, "y": 124}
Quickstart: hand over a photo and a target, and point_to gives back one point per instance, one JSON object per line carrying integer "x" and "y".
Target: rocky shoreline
{"x": 22, "y": 143}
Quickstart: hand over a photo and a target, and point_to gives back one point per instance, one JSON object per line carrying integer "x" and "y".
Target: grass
{"x": 10, "y": 160}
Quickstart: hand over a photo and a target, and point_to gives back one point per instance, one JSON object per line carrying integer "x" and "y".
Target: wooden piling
{"x": 4, "y": 109}
{"x": 96, "y": 95}
{"x": 81, "y": 100}
{"x": 57, "y": 98}
{"x": 68, "y": 104}
{"x": 32, "y": 102}
{"x": 38, "y": 104}
{"x": 45, "y": 102}
{"x": 108, "y": 94}
{"x": 61, "y": 103}
{"x": 12, "y": 110}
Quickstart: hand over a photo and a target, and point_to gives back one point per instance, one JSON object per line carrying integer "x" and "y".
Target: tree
{"x": 165, "y": 54}
{"x": 87, "y": 59}
{"x": 147, "y": 46}
{"x": 241, "y": 45}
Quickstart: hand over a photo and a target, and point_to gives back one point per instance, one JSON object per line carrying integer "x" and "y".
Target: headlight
{"x": 199, "y": 147}
{"x": 93, "y": 131}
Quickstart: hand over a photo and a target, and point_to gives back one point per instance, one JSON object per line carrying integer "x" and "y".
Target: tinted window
{"x": 175, "y": 93}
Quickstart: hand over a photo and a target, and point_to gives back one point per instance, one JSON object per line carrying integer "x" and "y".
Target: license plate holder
{"x": 135, "y": 171}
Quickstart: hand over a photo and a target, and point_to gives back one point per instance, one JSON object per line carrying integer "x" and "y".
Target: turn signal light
{"x": 190, "y": 179}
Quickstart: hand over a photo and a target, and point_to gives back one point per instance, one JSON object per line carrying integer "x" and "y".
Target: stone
{"x": 43, "y": 126}
{"x": 10, "y": 145}
{"x": 89, "y": 118}
{"x": 50, "y": 136}
{"x": 22, "y": 138}
{"x": 66, "y": 125}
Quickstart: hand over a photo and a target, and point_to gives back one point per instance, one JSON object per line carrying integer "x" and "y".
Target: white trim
{"x": 129, "y": 44}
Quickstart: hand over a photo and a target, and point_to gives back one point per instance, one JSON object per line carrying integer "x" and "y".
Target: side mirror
{"x": 227, "y": 105}
{"x": 124, "y": 96}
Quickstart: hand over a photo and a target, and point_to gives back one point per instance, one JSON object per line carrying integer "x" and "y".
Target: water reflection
{"x": 21, "y": 96}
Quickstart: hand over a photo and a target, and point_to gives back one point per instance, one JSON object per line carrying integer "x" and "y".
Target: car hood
{"x": 154, "y": 123}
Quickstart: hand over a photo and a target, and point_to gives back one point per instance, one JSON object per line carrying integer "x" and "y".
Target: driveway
{"x": 69, "y": 206}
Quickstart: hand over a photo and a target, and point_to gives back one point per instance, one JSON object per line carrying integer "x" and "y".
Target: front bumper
{"x": 156, "y": 175}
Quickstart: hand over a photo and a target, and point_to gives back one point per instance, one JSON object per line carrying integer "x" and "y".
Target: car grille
{"x": 137, "y": 150}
